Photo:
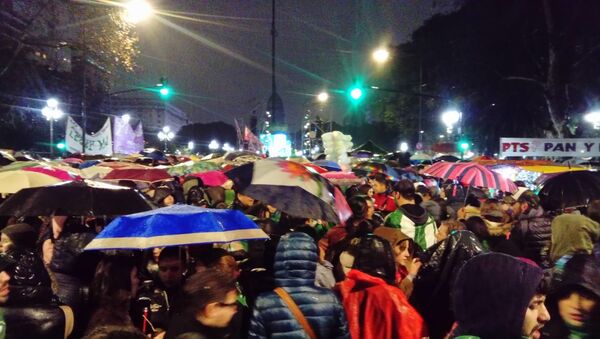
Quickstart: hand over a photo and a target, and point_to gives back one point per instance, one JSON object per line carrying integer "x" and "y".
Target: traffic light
{"x": 356, "y": 93}
{"x": 463, "y": 145}
{"x": 164, "y": 89}
{"x": 61, "y": 146}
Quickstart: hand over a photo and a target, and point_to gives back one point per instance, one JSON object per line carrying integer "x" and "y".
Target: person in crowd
{"x": 472, "y": 208}
{"x": 499, "y": 296}
{"x": 447, "y": 227}
{"x": 211, "y": 304}
{"x": 383, "y": 202}
{"x": 405, "y": 257}
{"x": 163, "y": 196}
{"x": 532, "y": 228}
{"x": 573, "y": 233}
{"x": 574, "y": 298}
{"x": 324, "y": 274}
{"x": 30, "y": 281}
{"x": 431, "y": 206}
{"x": 433, "y": 284}
{"x": 245, "y": 203}
{"x": 496, "y": 243}
{"x": 374, "y": 306}
{"x": 360, "y": 211}
{"x": 295, "y": 268}
{"x": 115, "y": 332}
{"x": 171, "y": 274}
{"x": 412, "y": 219}
{"x": 115, "y": 285}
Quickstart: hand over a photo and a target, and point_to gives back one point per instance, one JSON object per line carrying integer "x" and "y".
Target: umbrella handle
{"x": 145, "y": 322}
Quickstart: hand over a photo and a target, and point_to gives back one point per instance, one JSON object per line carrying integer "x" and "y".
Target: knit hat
{"x": 21, "y": 235}
{"x": 491, "y": 295}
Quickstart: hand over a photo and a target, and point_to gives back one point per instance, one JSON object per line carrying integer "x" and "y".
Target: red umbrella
{"x": 54, "y": 172}
{"x": 211, "y": 178}
{"x": 72, "y": 160}
{"x": 314, "y": 168}
{"x": 139, "y": 174}
{"x": 471, "y": 174}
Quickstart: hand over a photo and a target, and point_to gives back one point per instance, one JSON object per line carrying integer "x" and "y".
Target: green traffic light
{"x": 356, "y": 93}
{"x": 464, "y": 146}
{"x": 61, "y": 145}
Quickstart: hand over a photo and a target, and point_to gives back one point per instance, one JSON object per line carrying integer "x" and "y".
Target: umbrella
{"x": 370, "y": 167}
{"x": 149, "y": 175}
{"x": 328, "y": 165}
{"x": 288, "y": 186}
{"x": 17, "y": 165}
{"x": 95, "y": 172}
{"x": 230, "y": 156}
{"x": 72, "y": 161}
{"x": 314, "y": 168}
{"x": 174, "y": 226}
{"x": 420, "y": 156}
{"x": 76, "y": 198}
{"x": 211, "y": 178}
{"x": 472, "y": 175}
{"x": 6, "y": 159}
{"x": 342, "y": 178}
{"x": 570, "y": 189}
{"x": 447, "y": 158}
{"x": 190, "y": 167}
{"x": 89, "y": 163}
{"x": 14, "y": 181}
{"x": 53, "y": 172}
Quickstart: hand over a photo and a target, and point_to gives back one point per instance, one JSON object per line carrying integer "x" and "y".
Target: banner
{"x": 254, "y": 144}
{"x": 98, "y": 143}
{"x": 126, "y": 140}
{"x": 538, "y": 147}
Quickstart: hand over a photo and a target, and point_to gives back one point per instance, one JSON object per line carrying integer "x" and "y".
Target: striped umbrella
{"x": 472, "y": 175}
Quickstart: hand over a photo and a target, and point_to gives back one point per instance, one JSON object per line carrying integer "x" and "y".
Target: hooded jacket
{"x": 573, "y": 233}
{"x": 377, "y": 310}
{"x": 491, "y": 295}
{"x": 433, "y": 284}
{"x": 533, "y": 232}
{"x": 294, "y": 268}
{"x": 414, "y": 221}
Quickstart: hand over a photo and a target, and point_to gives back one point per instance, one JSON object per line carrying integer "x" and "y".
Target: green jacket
{"x": 573, "y": 233}
{"x": 415, "y": 222}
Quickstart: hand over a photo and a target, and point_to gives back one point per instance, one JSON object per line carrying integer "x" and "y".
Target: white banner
{"x": 98, "y": 143}
{"x": 530, "y": 147}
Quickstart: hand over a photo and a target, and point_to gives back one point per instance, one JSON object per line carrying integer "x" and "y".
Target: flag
{"x": 253, "y": 142}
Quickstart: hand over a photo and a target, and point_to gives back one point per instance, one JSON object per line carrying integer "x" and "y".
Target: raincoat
{"x": 377, "y": 310}
{"x": 572, "y": 233}
{"x": 532, "y": 231}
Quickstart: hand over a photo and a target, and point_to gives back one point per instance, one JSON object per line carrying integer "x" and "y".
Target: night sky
{"x": 216, "y": 54}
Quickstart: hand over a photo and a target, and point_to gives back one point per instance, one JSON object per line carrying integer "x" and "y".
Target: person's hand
{"x": 414, "y": 267}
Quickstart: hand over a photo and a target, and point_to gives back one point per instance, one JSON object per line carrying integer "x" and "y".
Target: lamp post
{"x": 52, "y": 113}
{"x": 450, "y": 118}
{"x": 214, "y": 145}
{"x": 166, "y": 135}
{"x": 381, "y": 55}
{"x": 323, "y": 98}
{"x": 593, "y": 118}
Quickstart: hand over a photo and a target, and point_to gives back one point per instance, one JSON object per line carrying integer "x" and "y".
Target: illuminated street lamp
{"x": 228, "y": 148}
{"x": 450, "y": 118}
{"x": 137, "y": 11}
{"x": 191, "y": 145}
{"x": 166, "y": 135}
{"x": 214, "y": 145}
{"x": 403, "y": 147}
{"x": 126, "y": 118}
{"x": 593, "y": 118}
{"x": 381, "y": 55}
{"x": 323, "y": 97}
{"x": 52, "y": 113}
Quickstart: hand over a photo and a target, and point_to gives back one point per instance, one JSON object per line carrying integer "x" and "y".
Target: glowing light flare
{"x": 136, "y": 11}
{"x": 381, "y": 55}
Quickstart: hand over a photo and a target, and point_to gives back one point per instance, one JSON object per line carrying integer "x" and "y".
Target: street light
{"x": 191, "y": 145}
{"x": 166, "y": 135}
{"x": 403, "y": 147}
{"x": 381, "y": 55}
{"x": 323, "y": 97}
{"x": 593, "y": 118}
{"x": 126, "y": 118}
{"x": 137, "y": 11}
{"x": 227, "y": 147}
{"x": 214, "y": 145}
{"x": 450, "y": 118}
{"x": 52, "y": 113}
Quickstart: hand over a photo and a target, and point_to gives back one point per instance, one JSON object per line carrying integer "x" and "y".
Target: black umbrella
{"x": 570, "y": 189}
{"x": 446, "y": 158}
{"x": 75, "y": 198}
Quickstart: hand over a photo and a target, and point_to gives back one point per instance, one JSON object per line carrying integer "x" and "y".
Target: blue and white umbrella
{"x": 176, "y": 225}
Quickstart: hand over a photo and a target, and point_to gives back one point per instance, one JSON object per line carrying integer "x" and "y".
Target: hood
{"x": 491, "y": 295}
{"x": 416, "y": 213}
{"x": 373, "y": 255}
{"x": 393, "y": 235}
{"x": 433, "y": 208}
{"x": 580, "y": 270}
{"x": 573, "y": 233}
{"x": 295, "y": 260}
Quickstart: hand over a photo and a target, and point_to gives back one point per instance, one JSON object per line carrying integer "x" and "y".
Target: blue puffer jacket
{"x": 295, "y": 266}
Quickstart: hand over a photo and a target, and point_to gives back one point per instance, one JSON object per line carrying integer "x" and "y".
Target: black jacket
{"x": 532, "y": 232}
{"x": 29, "y": 283}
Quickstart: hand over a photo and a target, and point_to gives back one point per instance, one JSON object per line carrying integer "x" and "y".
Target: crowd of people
{"x": 415, "y": 260}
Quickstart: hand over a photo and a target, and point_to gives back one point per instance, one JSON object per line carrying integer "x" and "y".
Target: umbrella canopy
{"x": 420, "y": 156}
{"x": 149, "y": 175}
{"x": 288, "y": 186}
{"x": 328, "y": 165}
{"x": 211, "y": 178}
{"x": 370, "y": 146}
{"x": 75, "y": 198}
{"x": 174, "y": 226}
{"x": 72, "y": 161}
{"x": 447, "y": 158}
{"x": 190, "y": 167}
{"x": 230, "y": 156}
{"x": 472, "y": 175}
{"x": 548, "y": 169}
{"x": 95, "y": 172}
{"x": 370, "y": 167}
{"x": 314, "y": 168}
{"x": 60, "y": 174}
{"x": 6, "y": 158}
{"x": 14, "y": 181}
{"x": 17, "y": 165}
{"x": 570, "y": 189}
{"x": 342, "y": 178}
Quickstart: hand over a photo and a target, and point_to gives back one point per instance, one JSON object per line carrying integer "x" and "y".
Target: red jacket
{"x": 384, "y": 202}
{"x": 376, "y": 310}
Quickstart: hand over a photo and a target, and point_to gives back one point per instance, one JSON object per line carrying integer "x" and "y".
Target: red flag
{"x": 254, "y": 143}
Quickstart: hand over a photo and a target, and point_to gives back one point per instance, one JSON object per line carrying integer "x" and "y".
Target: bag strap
{"x": 287, "y": 299}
